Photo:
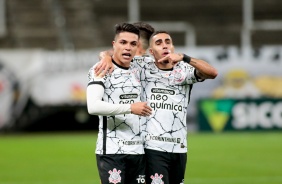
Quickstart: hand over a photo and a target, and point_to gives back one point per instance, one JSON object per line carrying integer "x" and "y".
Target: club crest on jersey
{"x": 157, "y": 179}
{"x": 115, "y": 176}
{"x": 178, "y": 76}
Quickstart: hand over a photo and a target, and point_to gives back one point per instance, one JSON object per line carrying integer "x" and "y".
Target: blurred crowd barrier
{"x": 50, "y": 81}
{"x": 59, "y": 79}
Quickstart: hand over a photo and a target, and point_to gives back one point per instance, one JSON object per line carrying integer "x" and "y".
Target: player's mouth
{"x": 165, "y": 53}
{"x": 126, "y": 55}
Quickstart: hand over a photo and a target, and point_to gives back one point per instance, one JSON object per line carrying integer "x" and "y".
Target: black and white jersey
{"x": 121, "y": 133}
{"x": 167, "y": 92}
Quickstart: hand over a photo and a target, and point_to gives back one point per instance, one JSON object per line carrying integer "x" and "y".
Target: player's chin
{"x": 127, "y": 58}
{"x": 126, "y": 61}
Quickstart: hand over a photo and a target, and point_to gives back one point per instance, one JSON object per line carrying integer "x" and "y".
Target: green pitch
{"x": 68, "y": 158}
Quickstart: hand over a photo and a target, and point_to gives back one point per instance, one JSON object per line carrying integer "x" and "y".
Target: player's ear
{"x": 113, "y": 43}
{"x": 151, "y": 51}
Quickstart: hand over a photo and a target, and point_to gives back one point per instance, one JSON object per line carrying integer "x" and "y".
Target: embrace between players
{"x": 142, "y": 103}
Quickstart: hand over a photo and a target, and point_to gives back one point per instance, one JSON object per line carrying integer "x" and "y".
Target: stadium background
{"x": 47, "y": 47}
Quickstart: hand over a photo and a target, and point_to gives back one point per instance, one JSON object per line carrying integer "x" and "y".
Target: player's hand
{"x": 141, "y": 109}
{"x": 171, "y": 58}
{"x": 105, "y": 65}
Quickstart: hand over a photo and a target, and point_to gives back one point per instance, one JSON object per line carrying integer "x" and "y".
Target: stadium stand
{"x": 58, "y": 24}
{"x": 65, "y": 37}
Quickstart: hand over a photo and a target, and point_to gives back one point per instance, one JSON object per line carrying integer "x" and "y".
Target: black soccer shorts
{"x": 165, "y": 167}
{"x": 121, "y": 168}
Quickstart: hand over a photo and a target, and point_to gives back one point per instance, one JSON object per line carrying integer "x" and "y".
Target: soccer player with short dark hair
{"x": 115, "y": 98}
{"x": 167, "y": 83}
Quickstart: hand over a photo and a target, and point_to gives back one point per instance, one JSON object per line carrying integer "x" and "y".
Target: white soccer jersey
{"x": 167, "y": 92}
{"x": 119, "y": 134}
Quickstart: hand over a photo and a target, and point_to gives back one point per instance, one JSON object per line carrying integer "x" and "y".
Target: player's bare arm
{"x": 105, "y": 65}
{"x": 203, "y": 69}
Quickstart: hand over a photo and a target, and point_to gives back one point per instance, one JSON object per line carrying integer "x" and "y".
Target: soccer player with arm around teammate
{"x": 115, "y": 98}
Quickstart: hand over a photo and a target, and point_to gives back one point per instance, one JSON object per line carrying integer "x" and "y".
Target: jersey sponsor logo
{"x": 128, "y": 96}
{"x": 157, "y": 179}
{"x": 141, "y": 179}
{"x": 166, "y": 106}
{"x": 114, "y": 176}
{"x": 129, "y": 143}
{"x": 126, "y": 102}
{"x": 163, "y": 91}
{"x": 163, "y": 139}
{"x": 159, "y": 100}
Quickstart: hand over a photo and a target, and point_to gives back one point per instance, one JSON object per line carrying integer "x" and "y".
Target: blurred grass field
{"x": 68, "y": 158}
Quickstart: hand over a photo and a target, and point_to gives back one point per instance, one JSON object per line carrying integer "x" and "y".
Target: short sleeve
{"x": 92, "y": 77}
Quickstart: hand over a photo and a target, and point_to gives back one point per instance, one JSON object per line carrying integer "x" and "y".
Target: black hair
{"x": 146, "y": 30}
{"x": 159, "y": 32}
{"x": 126, "y": 27}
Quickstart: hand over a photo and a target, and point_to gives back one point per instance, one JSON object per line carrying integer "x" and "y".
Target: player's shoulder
{"x": 93, "y": 77}
{"x": 183, "y": 64}
{"x": 91, "y": 70}
{"x": 91, "y": 74}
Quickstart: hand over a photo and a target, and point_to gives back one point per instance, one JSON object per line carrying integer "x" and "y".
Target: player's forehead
{"x": 161, "y": 37}
{"x": 127, "y": 36}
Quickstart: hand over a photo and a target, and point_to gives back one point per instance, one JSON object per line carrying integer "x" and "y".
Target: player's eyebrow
{"x": 134, "y": 42}
{"x": 160, "y": 40}
{"x": 123, "y": 40}
{"x": 167, "y": 39}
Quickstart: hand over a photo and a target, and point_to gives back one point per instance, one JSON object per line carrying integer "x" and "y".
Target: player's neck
{"x": 120, "y": 63}
{"x": 164, "y": 65}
